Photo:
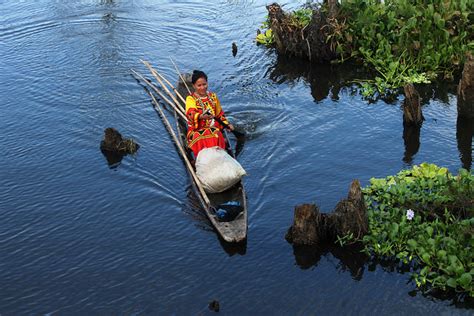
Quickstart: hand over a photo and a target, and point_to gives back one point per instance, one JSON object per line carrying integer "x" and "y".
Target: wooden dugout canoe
{"x": 232, "y": 227}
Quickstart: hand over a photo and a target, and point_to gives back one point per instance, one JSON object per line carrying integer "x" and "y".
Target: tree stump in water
{"x": 305, "y": 224}
{"x": 412, "y": 106}
{"x": 349, "y": 217}
{"x": 114, "y": 146}
{"x": 309, "y": 41}
{"x": 466, "y": 89}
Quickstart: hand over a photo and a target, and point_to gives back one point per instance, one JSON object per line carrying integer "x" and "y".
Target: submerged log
{"x": 412, "y": 106}
{"x": 310, "y": 227}
{"x": 306, "y": 42}
{"x": 466, "y": 89}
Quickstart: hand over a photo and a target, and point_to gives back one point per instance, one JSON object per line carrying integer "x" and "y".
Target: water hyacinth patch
{"x": 405, "y": 41}
{"x": 436, "y": 241}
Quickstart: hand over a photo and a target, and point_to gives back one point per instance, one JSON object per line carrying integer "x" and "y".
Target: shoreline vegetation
{"x": 422, "y": 219}
{"x": 400, "y": 42}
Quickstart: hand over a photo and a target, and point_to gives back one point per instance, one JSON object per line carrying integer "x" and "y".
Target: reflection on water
{"x": 114, "y": 158}
{"x": 328, "y": 80}
{"x": 411, "y": 139}
{"x": 324, "y": 79}
{"x": 351, "y": 258}
{"x": 464, "y": 134}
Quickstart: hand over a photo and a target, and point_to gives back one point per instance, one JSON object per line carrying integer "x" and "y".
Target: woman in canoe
{"x": 205, "y": 116}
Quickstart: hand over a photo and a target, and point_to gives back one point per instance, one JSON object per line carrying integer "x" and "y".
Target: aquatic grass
{"x": 423, "y": 217}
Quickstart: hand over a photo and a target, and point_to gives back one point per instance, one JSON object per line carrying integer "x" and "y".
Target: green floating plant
{"x": 265, "y": 38}
{"x": 423, "y": 217}
{"x": 405, "y": 41}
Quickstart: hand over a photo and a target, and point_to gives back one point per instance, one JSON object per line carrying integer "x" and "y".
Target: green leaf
{"x": 441, "y": 254}
{"x": 452, "y": 282}
{"x": 412, "y": 243}
{"x": 425, "y": 257}
{"x": 465, "y": 280}
{"x": 429, "y": 230}
{"x": 394, "y": 229}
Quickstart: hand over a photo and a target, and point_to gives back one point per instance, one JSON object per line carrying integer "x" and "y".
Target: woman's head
{"x": 199, "y": 80}
{"x": 198, "y": 74}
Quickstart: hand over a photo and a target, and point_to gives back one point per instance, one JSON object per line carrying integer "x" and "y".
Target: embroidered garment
{"x": 203, "y": 133}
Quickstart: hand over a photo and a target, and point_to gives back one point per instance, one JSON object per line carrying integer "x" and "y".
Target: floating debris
{"x": 214, "y": 306}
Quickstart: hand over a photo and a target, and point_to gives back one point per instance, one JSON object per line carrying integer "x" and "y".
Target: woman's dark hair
{"x": 198, "y": 74}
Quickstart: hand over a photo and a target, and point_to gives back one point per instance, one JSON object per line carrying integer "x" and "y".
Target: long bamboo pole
{"x": 161, "y": 95}
{"x": 180, "y": 76}
{"x": 181, "y": 150}
{"x": 155, "y": 74}
{"x": 174, "y": 89}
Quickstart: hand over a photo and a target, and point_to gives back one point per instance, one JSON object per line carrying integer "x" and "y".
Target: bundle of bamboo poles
{"x": 169, "y": 98}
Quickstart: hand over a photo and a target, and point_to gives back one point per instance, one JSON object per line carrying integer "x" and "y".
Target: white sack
{"x": 217, "y": 170}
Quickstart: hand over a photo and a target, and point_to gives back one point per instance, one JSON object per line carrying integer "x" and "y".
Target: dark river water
{"x": 78, "y": 237}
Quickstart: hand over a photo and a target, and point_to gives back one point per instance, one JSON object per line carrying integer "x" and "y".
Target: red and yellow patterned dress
{"x": 204, "y": 133}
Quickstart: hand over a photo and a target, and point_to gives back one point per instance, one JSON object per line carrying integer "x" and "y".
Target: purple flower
{"x": 410, "y": 214}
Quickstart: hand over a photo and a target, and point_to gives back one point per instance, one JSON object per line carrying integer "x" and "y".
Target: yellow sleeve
{"x": 192, "y": 112}
{"x": 190, "y": 103}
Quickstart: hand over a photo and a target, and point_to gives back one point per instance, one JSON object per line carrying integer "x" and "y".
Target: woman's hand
{"x": 231, "y": 127}
{"x": 205, "y": 116}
